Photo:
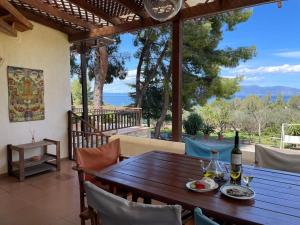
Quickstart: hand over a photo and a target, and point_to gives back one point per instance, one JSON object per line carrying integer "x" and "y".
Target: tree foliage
{"x": 77, "y": 94}
{"x": 104, "y": 64}
{"x": 253, "y": 115}
{"x": 193, "y": 124}
{"x": 202, "y": 61}
{"x": 217, "y": 114}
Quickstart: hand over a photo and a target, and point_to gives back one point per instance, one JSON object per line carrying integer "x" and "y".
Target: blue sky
{"x": 274, "y": 31}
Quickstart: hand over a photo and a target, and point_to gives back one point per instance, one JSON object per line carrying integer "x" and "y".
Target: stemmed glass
{"x": 247, "y": 179}
{"x": 203, "y": 168}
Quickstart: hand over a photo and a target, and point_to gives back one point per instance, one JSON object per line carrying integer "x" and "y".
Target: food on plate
{"x": 198, "y": 185}
{"x": 204, "y": 183}
{"x": 238, "y": 192}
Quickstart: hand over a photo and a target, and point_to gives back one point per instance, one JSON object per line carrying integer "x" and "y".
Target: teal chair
{"x": 201, "y": 219}
{"x": 202, "y": 149}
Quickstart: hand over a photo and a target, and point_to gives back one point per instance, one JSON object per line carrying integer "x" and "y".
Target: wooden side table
{"x": 27, "y": 167}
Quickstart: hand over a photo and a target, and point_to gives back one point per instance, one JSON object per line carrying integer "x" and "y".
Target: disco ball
{"x": 162, "y": 10}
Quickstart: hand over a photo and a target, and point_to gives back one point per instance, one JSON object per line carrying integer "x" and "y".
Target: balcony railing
{"x": 84, "y": 134}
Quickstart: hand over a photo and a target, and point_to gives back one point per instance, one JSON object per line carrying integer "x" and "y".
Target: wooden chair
{"x": 90, "y": 160}
{"x": 113, "y": 210}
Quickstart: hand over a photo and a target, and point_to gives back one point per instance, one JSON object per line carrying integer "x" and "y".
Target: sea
{"x": 123, "y": 99}
{"x": 117, "y": 99}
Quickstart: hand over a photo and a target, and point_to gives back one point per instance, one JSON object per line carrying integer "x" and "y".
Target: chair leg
{"x": 147, "y": 200}
{"x": 82, "y": 222}
{"x": 134, "y": 197}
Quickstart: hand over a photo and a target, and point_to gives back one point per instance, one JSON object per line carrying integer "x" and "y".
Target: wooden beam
{"x": 59, "y": 13}
{"x": 220, "y": 6}
{"x": 98, "y": 12}
{"x": 177, "y": 42}
{"x": 13, "y": 11}
{"x": 117, "y": 29}
{"x": 7, "y": 29}
{"x": 46, "y": 21}
{"x": 133, "y": 7}
{"x": 83, "y": 70}
{"x": 186, "y": 14}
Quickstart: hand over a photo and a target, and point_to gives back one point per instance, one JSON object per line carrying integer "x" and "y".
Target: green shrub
{"x": 293, "y": 130}
{"x": 193, "y": 124}
{"x": 207, "y": 129}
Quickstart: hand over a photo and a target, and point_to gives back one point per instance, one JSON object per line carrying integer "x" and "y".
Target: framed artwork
{"x": 25, "y": 94}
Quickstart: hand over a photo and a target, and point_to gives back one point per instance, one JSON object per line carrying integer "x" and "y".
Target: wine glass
{"x": 235, "y": 173}
{"x": 225, "y": 170}
{"x": 203, "y": 168}
{"x": 247, "y": 179}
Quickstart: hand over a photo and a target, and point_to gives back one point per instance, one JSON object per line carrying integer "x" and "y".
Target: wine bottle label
{"x": 236, "y": 159}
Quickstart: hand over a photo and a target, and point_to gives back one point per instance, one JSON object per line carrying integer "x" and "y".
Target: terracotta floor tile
{"x": 10, "y": 204}
{"x": 46, "y": 199}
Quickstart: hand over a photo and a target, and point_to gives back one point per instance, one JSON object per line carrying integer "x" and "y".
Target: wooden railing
{"x": 115, "y": 120}
{"x": 106, "y": 109}
{"x": 82, "y": 134}
{"x": 85, "y": 134}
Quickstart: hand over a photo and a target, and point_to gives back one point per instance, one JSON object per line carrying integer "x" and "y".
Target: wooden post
{"x": 177, "y": 79}
{"x": 83, "y": 69}
{"x": 70, "y": 140}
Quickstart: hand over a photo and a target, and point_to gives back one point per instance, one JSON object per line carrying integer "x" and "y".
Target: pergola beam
{"x": 15, "y": 13}
{"x": 133, "y": 8}
{"x": 7, "y": 29}
{"x": 59, "y": 13}
{"x": 200, "y": 10}
{"x": 45, "y": 21}
{"x": 98, "y": 12}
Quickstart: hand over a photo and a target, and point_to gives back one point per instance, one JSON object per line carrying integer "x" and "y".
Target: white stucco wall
{"x": 46, "y": 49}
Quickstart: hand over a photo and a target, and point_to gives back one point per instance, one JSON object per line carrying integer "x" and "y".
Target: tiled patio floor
{"x": 47, "y": 199}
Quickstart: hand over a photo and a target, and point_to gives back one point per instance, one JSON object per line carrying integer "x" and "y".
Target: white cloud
{"x": 249, "y": 78}
{"x": 286, "y": 68}
{"x": 121, "y": 86}
{"x": 245, "y": 77}
{"x": 131, "y": 74}
{"x": 289, "y": 54}
{"x": 229, "y": 76}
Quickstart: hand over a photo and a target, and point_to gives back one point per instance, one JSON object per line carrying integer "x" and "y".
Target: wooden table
{"x": 162, "y": 176}
{"x": 28, "y": 167}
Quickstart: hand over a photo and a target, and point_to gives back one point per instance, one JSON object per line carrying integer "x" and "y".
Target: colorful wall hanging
{"x": 25, "y": 94}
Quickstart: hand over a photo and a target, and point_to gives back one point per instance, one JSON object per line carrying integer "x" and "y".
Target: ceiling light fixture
{"x": 162, "y": 10}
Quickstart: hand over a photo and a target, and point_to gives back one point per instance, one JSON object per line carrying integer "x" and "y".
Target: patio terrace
{"x": 53, "y": 198}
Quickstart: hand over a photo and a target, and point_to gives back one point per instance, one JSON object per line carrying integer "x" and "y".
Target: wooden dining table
{"x": 163, "y": 176}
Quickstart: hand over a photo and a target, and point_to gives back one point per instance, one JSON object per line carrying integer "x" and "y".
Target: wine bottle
{"x": 236, "y": 162}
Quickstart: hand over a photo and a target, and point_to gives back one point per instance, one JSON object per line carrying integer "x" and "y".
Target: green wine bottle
{"x": 236, "y": 162}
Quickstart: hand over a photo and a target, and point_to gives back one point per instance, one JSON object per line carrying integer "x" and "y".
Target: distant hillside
{"x": 263, "y": 91}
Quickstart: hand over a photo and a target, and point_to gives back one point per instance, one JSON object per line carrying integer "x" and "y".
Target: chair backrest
{"x": 98, "y": 158}
{"x": 277, "y": 159}
{"x": 203, "y": 149}
{"x": 201, "y": 219}
{"x": 114, "y": 210}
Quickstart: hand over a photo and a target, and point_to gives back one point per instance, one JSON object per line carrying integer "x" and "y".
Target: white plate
{"x": 226, "y": 187}
{"x": 209, "y": 182}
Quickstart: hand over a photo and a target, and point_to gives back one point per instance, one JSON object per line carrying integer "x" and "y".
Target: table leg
{"x": 147, "y": 200}
{"x": 58, "y": 156}
{"x": 9, "y": 160}
{"x": 134, "y": 197}
{"x": 21, "y": 165}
